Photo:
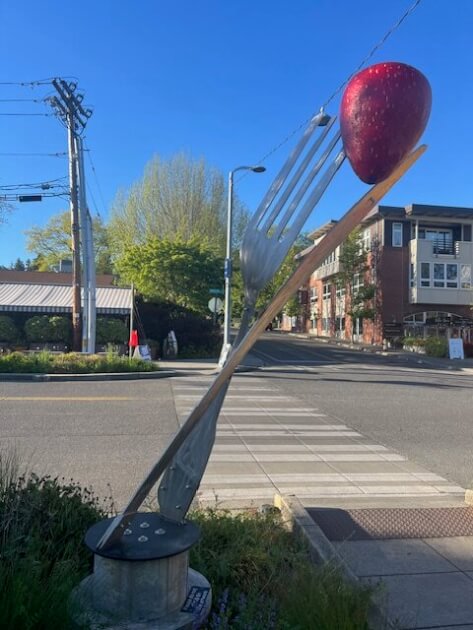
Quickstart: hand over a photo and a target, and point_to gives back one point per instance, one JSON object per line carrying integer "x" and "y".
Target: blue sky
{"x": 227, "y": 80}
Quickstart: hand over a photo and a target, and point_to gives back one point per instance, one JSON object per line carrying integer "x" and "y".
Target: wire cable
{"x": 99, "y": 188}
{"x": 58, "y": 154}
{"x": 375, "y": 48}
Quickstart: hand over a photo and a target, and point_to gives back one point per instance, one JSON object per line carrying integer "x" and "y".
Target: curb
{"x": 322, "y": 552}
{"x": 112, "y": 376}
{"x": 115, "y": 376}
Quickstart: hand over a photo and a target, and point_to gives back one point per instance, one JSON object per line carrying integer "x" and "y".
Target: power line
{"x": 57, "y": 154}
{"x": 376, "y": 47}
{"x": 21, "y": 100}
{"x": 99, "y": 188}
{"x": 47, "y": 81}
{"x": 23, "y": 114}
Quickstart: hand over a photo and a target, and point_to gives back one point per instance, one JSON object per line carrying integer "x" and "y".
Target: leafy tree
{"x": 18, "y": 265}
{"x": 45, "y": 328}
{"x": 353, "y": 264}
{"x": 53, "y": 243}
{"x": 111, "y": 330}
{"x": 8, "y": 330}
{"x": 176, "y": 199}
{"x": 5, "y": 208}
{"x": 287, "y": 268}
{"x": 174, "y": 271}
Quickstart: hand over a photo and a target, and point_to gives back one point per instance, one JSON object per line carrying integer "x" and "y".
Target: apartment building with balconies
{"x": 419, "y": 263}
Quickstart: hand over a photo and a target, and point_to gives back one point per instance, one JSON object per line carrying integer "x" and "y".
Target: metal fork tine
{"x": 316, "y": 194}
{"x": 305, "y": 185}
{"x": 296, "y": 177}
{"x": 284, "y": 172}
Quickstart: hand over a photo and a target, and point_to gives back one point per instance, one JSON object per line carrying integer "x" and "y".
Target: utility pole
{"x": 69, "y": 108}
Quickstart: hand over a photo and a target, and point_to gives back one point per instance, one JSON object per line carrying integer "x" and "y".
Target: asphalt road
{"x": 403, "y": 402}
{"x": 101, "y": 434}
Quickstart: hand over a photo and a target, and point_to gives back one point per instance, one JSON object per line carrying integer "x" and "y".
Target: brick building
{"x": 419, "y": 266}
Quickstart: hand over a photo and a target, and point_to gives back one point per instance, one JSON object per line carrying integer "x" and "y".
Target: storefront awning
{"x": 53, "y": 298}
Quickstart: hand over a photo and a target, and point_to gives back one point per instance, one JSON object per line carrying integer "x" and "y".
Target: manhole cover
{"x": 380, "y": 523}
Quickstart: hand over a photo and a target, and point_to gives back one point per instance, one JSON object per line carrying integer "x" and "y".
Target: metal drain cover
{"x": 381, "y": 523}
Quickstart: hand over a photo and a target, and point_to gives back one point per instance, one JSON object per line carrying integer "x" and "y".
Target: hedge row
{"x": 55, "y": 328}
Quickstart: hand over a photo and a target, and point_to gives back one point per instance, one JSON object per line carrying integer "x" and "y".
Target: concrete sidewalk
{"x": 418, "y": 557}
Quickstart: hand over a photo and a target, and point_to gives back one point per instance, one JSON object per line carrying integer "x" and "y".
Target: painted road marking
{"x": 67, "y": 398}
{"x": 246, "y": 434}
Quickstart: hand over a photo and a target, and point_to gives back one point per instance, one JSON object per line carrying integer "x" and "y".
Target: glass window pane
{"x": 439, "y": 271}
{"x": 465, "y": 276}
{"x": 425, "y": 270}
{"x": 452, "y": 272}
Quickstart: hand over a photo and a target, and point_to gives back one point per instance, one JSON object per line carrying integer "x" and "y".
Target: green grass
{"x": 42, "y": 525}
{"x": 71, "y": 363}
{"x": 261, "y": 575}
{"x": 262, "y": 578}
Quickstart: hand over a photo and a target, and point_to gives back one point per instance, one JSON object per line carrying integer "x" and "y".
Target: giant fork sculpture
{"x": 267, "y": 240}
{"x": 311, "y": 261}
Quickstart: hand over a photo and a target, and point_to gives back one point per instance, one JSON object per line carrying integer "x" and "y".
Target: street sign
{"x": 215, "y": 305}
{"x": 217, "y": 292}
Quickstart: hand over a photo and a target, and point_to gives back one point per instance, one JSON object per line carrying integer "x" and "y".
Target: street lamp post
{"x": 228, "y": 271}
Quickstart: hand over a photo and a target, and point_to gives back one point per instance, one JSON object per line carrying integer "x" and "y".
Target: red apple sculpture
{"x": 383, "y": 113}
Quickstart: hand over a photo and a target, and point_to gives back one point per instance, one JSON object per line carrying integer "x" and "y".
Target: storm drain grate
{"x": 381, "y": 523}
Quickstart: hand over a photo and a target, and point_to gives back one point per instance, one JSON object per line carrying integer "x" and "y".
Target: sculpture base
{"x": 192, "y": 614}
{"x": 144, "y": 580}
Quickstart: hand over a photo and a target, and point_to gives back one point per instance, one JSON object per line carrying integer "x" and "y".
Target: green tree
{"x": 174, "y": 271}
{"x": 18, "y": 265}
{"x": 176, "y": 199}
{"x": 353, "y": 266}
{"x": 286, "y": 269}
{"x": 5, "y": 208}
{"x": 53, "y": 243}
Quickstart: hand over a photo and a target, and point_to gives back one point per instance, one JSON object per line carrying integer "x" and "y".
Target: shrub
{"x": 71, "y": 363}
{"x": 262, "y": 577}
{"x": 193, "y": 331}
{"x": 436, "y": 347}
{"x": 414, "y": 341}
{"x": 8, "y": 330}
{"x": 42, "y": 525}
{"x": 111, "y": 330}
{"x": 45, "y": 328}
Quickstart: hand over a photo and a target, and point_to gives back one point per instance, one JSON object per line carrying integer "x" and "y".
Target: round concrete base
{"x": 87, "y": 607}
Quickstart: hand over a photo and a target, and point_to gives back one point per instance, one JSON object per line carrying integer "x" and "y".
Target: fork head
{"x": 270, "y": 233}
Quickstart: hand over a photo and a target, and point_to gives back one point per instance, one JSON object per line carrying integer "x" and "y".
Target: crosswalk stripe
{"x": 284, "y": 414}
{"x": 287, "y": 425}
{"x": 255, "y": 416}
{"x": 283, "y": 432}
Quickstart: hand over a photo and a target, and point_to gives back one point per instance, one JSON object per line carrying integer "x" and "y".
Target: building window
{"x": 465, "y": 276}
{"x": 452, "y": 276}
{"x": 397, "y": 235}
{"x": 357, "y": 281}
{"x": 442, "y": 239}
{"x": 439, "y": 275}
{"x": 340, "y": 292}
{"x": 313, "y": 294}
{"x": 326, "y": 324}
{"x": 445, "y": 275}
{"x": 327, "y": 289}
{"x": 365, "y": 240}
{"x": 425, "y": 274}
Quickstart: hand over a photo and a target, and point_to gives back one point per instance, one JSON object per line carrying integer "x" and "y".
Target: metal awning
{"x": 54, "y": 298}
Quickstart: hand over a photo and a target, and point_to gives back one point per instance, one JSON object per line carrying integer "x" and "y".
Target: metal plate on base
{"x": 149, "y": 536}
{"x": 385, "y": 523}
